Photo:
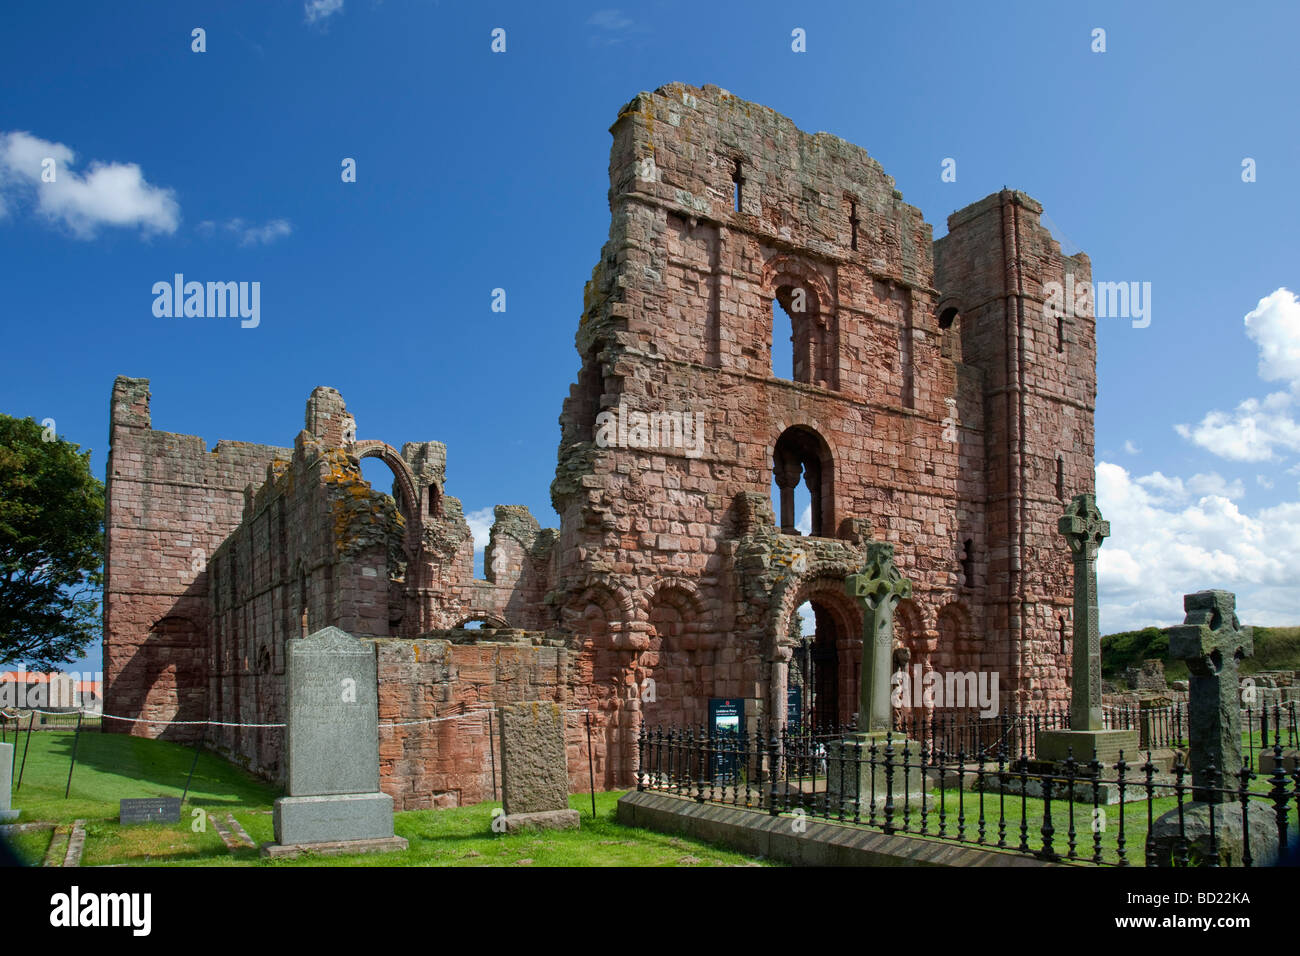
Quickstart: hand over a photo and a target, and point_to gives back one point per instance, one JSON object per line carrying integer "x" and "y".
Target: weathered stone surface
{"x": 543, "y": 820}
{"x": 534, "y": 769}
{"x": 333, "y": 750}
{"x": 334, "y": 848}
{"x": 1268, "y": 760}
{"x": 1212, "y": 641}
{"x": 1103, "y": 746}
{"x": 877, "y": 588}
{"x": 332, "y": 732}
{"x": 1262, "y": 826}
{"x": 1084, "y": 530}
{"x": 333, "y": 818}
{"x": 852, "y": 780}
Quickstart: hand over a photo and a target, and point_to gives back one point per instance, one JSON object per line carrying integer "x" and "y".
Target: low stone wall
{"x": 820, "y": 844}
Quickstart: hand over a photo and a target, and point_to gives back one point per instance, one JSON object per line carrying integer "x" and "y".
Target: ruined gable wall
{"x": 169, "y": 504}
{"x": 678, "y": 317}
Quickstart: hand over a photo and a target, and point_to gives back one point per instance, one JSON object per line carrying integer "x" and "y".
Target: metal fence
{"x": 1074, "y": 813}
{"x": 1159, "y": 728}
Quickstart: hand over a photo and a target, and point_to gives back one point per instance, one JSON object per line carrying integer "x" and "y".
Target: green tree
{"x": 51, "y": 546}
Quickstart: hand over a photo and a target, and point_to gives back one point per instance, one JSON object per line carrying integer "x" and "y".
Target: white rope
{"x": 221, "y": 723}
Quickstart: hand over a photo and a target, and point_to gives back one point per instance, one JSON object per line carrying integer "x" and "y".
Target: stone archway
{"x": 827, "y": 667}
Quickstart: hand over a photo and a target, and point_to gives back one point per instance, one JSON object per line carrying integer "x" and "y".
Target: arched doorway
{"x": 824, "y": 631}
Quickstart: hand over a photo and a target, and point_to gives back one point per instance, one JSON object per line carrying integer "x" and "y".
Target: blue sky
{"x": 479, "y": 170}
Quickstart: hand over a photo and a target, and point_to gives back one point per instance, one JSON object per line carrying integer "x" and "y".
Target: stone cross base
{"x": 339, "y": 817}
{"x": 868, "y": 786}
{"x": 542, "y": 820}
{"x": 1267, "y": 761}
{"x": 1104, "y": 746}
{"x": 334, "y": 849}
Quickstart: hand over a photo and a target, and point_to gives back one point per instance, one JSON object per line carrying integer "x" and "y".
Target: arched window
{"x": 803, "y": 455}
{"x": 798, "y": 338}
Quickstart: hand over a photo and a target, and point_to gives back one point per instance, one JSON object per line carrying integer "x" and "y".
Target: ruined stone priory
{"x": 930, "y": 398}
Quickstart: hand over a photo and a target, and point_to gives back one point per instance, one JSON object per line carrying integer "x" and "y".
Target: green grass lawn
{"x": 112, "y": 766}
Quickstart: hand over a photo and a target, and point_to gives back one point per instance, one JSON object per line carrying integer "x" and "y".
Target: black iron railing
{"x": 1159, "y": 728}
{"x": 1072, "y": 813}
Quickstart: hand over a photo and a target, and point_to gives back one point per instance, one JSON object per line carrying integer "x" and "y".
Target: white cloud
{"x": 1264, "y": 481}
{"x": 1257, "y": 429}
{"x": 1274, "y": 325}
{"x": 1131, "y": 448}
{"x": 314, "y": 10}
{"x": 249, "y": 234}
{"x": 1171, "y": 537}
{"x": 252, "y": 235}
{"x": 1252, "y": 432}
{"x": 480, "y": 526}
{"x": 1175, "y": 490}
{"x": 804, "y": 524}
{"x": 106, "y": 194}
{"x": 612, "y": 27}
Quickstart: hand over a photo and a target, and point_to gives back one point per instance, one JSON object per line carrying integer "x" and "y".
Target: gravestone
{"x": 1087, "y": 739}
{"x": 851, "y": 777}
{"x": 149, "y": 810}
{"x": 334, "y": 804}
{"x": 7, "y": 813}
{"x": 534, "y": 767}
{"x": 1212, "y": 642}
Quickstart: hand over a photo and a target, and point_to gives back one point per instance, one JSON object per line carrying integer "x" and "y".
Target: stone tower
{"x": 930, "y": 402}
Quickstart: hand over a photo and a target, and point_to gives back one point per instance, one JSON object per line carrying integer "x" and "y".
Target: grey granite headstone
{"x": 7, "y": 813}
{"x": 534, "y": 767}
{"x": 333, "y": 732}
{"x": 332, "y": 750}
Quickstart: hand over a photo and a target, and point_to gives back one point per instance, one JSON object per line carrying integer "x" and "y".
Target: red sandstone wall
{"x": 1040, "y": 392}
{"x": 450, "y": 762}
{"x": 170, "y": 504}
{"x": 677, "y": 316}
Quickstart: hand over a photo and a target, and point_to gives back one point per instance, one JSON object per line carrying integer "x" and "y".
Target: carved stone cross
{"x": 1212, "y": 641}
{"x": 1084, "y": 530}
{"x": 878, "y": 588}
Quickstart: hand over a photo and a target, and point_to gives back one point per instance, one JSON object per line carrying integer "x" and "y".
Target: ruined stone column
{"x": 779, "y": 686}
